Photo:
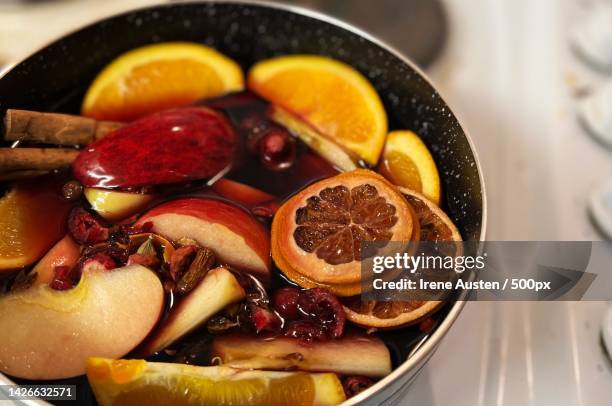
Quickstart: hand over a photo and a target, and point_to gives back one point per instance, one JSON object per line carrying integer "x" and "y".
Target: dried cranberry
{"x": 106, "y": 256}
{"x": 263, "y": 319}
{"x": 356, "y": 384}
{"x": 285, "y": 301}
{"x": 180, "y": 260}
{"x": 148, "y": 260}
{"x": 99, "y": 261}
{"x": 306, "y": 330}
{"x": 65, "y": 278}
{"x": 86, "y": 228}
{"x": 277, "y": 150}
{"x": 320, "y": 304}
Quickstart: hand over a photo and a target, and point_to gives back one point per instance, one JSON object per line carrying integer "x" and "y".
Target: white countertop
{"x": 509, "y": 74}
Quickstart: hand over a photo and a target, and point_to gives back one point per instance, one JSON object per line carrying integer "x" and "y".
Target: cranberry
{"x": 306, "y": 330}
{"x": 65, "y": 278}
{"x": 355, "y": 384}
{"x": 107, "y": 256}
{"x": 320, "y": 304}
{"x": 86, "y": 228}
{"x": 263, "y": 319}
{"x": 181, "y": 259}
{"x": 277, "y": 150}
{"x": 148, "y": 260}
{"x": 72, "y": 190}
{"x": 285, "y": 301}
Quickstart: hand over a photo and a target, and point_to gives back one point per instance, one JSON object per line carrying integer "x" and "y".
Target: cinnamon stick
{"x": 35, "y": 159}
{"x": 54, "y": 128}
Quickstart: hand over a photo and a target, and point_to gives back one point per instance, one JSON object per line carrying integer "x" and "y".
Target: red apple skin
{"x": 65, "y": 253}
{"x": 186, "y": 217}
{"x": 172, "y": 146}
{"x": 241, "y": 193}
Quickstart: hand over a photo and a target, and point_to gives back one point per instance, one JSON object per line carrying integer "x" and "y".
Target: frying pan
{"x": 56, "y": 77}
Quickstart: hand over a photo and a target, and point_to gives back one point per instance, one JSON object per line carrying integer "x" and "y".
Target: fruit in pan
{"x": 32, "y": 219}
{"x": 236, "y": 238}
{"x": 218, "y": 289}
{"x": 65, "y": 253}
{"x": 138, "y": 382}
{"x": 114, "y": 205}
{"x": 49, "y": 334}
{"x": 335, "y": 99}
{"x": 350, "y": 355}
{"x": 317, "y": 233}
{"x": 407, "y": 162}
{"x": 326, "y": 148}
{"x": 172, "y": 146}
{"x": 241, "y": 193}
{"x": 157, "y": 77}
{"x": 434, "y": 226}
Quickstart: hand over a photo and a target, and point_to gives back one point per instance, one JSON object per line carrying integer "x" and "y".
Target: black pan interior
{"x": 55, "y": 79}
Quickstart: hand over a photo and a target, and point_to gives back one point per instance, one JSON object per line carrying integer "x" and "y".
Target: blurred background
{"x": 532, "y": 83}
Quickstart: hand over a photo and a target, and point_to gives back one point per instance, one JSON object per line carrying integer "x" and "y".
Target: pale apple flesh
{"x": 65, "y": 253}
{"x": 114, "y": 205}
{"x": 236, "y": 238}
{"x": 50, "y": 334}
{"x": 354, "y": 354}
{"x": 217, "y": 290}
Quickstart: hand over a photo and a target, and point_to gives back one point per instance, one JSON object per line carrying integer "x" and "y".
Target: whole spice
{"x": 201, "y": 264}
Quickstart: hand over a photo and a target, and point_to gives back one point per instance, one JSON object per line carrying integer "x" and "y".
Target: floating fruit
{"x": 65, "y": 253}
{"x": 138, "y": 382}
{"x": 434, "y": 226}
{"x": 172, "y": 146}
{"x": 49, "y": 334}
{"x": 236, "y": 237}
{"x": 317, "y": 233}
{"x": 217, "y": 290}
{"x": 32, "y": 218}
{"x": 329, "y": 150}
{"x": 407, "y": 162}
{"x": 157, "y": 77}
{"x": 114, "y": 205}
{"x": 241, "y": 193}
{"x": 331, "y": 96}
{"x": 356, "y": 354}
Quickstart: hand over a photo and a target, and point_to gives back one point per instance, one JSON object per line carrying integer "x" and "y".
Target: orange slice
{"x": 434, "y": 226}
{"x": 335, "y": 99}
{"x": 407, "y": 162}
{"x": 157, "y": 77}
{"x": 317, "y": 233}
{"x": 138, "y": 382}
{"x": 32, "y": 218}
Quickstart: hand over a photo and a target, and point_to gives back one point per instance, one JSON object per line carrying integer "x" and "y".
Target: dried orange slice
{"x": 434, "y": 226}
{"x": 335, "y": 99}
{"x": 407, "y": 162}
{"x": 157, "y": 77}
{"x": 317, "y": 233}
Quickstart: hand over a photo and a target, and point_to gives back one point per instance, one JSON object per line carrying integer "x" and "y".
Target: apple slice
{"x": 114, "y": 205}
{"x": 217, "y": 290}
{"x": 354, "y": 354}
{"x": 235, "y": 236}
{"x": 65, "y": 253}
{"x": 49, "y": 334}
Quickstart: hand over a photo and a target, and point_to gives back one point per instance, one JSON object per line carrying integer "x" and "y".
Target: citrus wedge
{"x": 407, "y": 162}
{"x": 435, "y": 225}
{"x": 138, "y": 382}
{"x": 317, "y": 233}
{"x": 157, "y": 77}
{"x": 332, "y": 97}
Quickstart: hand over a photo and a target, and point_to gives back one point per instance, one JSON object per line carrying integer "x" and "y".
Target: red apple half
{"x": 235, "y": 236}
